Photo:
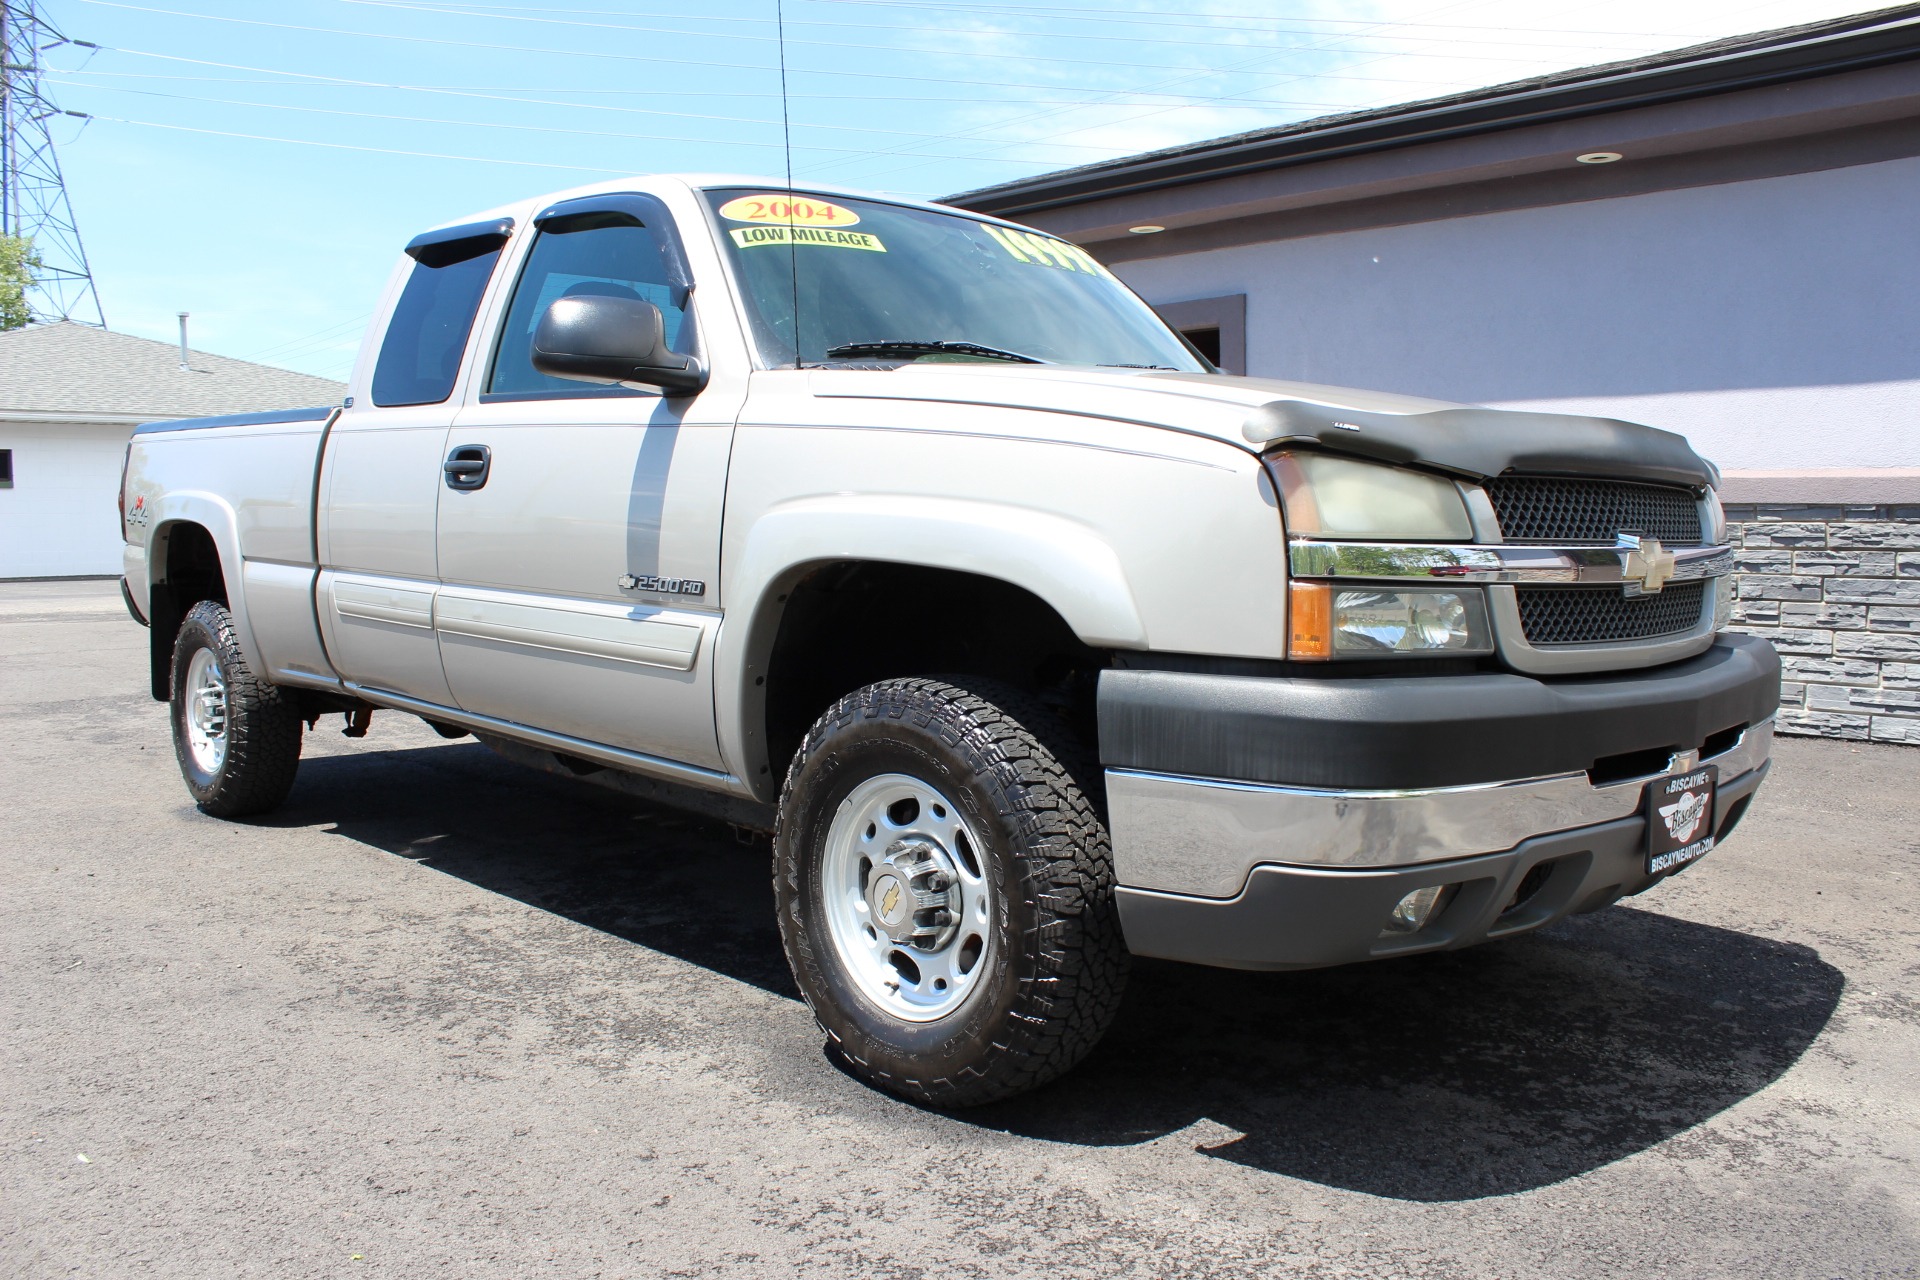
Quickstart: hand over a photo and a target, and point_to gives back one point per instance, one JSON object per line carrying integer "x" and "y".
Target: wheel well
{"x": 186, "y": 570}
{"x": 851, "y": 623}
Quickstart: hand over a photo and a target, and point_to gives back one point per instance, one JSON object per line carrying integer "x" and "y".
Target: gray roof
{"x": 75, "y": 369}
{"x": 1769, "y": 57}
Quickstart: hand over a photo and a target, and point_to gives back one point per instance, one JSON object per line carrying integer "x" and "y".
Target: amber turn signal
{"x": 1309, "y": 620}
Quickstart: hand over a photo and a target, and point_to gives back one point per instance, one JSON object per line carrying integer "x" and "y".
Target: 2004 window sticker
{"x": 789, "y": 210}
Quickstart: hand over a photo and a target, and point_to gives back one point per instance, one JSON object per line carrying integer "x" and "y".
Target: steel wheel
{"x": 206, "y": 698}
{"x": 907, "y": 906}
{"x": 945, "y": 890}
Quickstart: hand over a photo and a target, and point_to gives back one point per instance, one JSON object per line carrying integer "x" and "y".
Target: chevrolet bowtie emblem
{"x": 1645, "y": 565}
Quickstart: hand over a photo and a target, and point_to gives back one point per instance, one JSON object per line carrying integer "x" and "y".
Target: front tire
{"x": 237, "y": 737}
{"x": 945, "y": 891}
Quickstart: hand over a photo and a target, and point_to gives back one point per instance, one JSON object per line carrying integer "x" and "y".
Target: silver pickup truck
{"x": 916, "y": 539}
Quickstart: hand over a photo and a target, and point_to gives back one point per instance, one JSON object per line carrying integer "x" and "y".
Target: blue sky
{"x": 259, "y": 165}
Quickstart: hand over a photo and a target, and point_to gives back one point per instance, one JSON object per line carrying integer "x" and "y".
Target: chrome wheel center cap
{"x": 913, "y": 896}
{"x": 890, "y": 900}
{"x": 206, "y": 711}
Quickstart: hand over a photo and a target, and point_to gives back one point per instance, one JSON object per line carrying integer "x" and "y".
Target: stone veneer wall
{"x": 1837, "y": 591}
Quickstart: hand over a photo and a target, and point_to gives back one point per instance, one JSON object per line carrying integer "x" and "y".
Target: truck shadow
{"x": 1479, "y": 1073}
{"x": 1485, "y": 1072}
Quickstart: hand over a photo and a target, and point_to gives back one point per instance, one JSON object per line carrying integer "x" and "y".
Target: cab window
{"x": 609, "y": 254}
{"x": 427, "y": 333}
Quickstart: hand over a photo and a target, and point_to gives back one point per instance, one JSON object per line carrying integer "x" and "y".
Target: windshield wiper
{"x": 855, "y": 350}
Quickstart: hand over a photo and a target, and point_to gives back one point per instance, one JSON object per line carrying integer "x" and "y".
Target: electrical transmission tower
{"x": 33, "y": 196}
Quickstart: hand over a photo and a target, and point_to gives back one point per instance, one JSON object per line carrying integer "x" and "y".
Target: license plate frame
{"x": 1679, "y": 810}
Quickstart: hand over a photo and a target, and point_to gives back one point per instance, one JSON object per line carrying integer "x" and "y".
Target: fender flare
{"x": 1062, "y": 562}
{"x": 212, "y": 513}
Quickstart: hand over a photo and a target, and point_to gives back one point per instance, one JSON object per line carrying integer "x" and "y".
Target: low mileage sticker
{"x": 748, "y": 237}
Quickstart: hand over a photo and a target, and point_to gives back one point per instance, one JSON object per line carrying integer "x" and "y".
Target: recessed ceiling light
{"x": 1147, "y": 230}
{"x": 1599, "y": 157}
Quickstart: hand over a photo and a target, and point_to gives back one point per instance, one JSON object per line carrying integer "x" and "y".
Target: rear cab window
{"x": 426, "y": 336}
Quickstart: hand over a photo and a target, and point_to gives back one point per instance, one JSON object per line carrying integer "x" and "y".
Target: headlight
{"x": 1345, "y": 622}
{"x": 1327, "y": 496}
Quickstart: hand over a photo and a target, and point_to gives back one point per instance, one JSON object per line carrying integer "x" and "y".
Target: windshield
{"x": 878, "y": 282}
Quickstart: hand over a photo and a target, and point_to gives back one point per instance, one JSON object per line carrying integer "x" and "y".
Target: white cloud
{"x": 1318, "y": 59}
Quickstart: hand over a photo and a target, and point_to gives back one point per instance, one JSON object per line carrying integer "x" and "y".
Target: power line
{"x": 1101, "y": 95}
{"x": 1105, "y": 98}
{"x": 736, "y": 66}
{"x": 542, "y": 128}
{"x": 348, "y": 146}
{"x": 441, "y": 155}
{"x": 504, "y": 90}
{"x": 1187, "y": 17}
{"x": 473, "y": 11}
{"x": 320, "y": 338}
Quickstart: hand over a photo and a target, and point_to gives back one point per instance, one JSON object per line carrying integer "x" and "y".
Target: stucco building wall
{"x": 1770, "y": 321}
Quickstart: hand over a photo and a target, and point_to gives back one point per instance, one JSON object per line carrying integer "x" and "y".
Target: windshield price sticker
{"x": 1044, "y": 251}
{"x": 748, "y": 237}
{"x": 790, "y": 211}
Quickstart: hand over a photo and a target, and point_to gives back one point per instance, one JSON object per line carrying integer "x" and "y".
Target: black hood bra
{"x": 1481, "y": 443}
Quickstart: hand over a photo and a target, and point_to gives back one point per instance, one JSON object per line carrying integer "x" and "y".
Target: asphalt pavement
{"x": 443, "y": 1016}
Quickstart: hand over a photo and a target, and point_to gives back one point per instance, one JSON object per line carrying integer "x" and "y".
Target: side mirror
{"x": 590, "y": 338}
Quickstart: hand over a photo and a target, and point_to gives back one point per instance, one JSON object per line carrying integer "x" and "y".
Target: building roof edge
{"x": 1767, "y": 58}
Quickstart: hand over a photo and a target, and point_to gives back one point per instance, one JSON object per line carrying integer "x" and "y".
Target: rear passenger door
{"x": 579, "y": 589}
{"x": 382, "y": 476}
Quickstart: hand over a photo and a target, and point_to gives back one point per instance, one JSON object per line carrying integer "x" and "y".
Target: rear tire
{"x": 945, "y": 891}
{"x": 237, "y": 738}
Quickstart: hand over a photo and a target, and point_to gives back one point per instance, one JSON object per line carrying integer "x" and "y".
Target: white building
{"x": 1722, "y": 241}
{"x": 70, "y": 395}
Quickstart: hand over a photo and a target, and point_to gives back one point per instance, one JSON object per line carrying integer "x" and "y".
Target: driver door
{"x": 579, "y": 577}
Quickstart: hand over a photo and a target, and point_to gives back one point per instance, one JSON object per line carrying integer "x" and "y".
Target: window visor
{"x": 448, "y": 245}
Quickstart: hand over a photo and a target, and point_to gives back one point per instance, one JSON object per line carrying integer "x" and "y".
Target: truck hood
{"x": 1260, "y": 413}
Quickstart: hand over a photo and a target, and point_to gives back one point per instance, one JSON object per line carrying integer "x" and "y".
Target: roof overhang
{"x": 1860, "y": 74}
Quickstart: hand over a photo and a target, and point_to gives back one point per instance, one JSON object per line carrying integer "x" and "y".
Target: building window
{"x": 6, "y": 468}
{"x": 1216, "y": 326}
{"x": 1206, "y": 341}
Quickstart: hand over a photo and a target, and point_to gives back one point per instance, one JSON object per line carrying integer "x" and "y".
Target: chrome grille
{"x": 1597, "y": 615}
{"x": 1568, "y": 511}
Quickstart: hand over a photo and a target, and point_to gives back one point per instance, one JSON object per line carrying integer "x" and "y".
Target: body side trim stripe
{"x": 647, "y": 641}
{"x": 318, "y": 414}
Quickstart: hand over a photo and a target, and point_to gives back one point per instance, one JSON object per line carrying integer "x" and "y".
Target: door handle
{"x": 466, "y": 467}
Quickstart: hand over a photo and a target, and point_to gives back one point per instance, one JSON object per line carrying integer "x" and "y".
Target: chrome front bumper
{"x": 1204, "y": 836}
{"x": 1312, "y": 917}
